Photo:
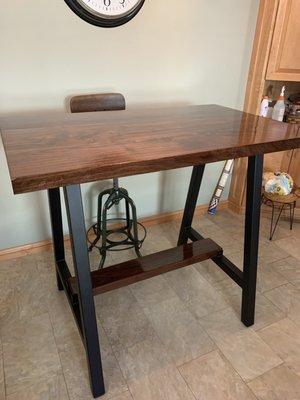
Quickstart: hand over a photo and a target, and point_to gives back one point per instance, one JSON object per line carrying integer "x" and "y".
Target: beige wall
{"x": 184, "y": 52}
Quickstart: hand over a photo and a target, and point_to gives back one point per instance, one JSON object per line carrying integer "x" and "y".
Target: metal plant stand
{"x": 128, "y": 232}
{"x": 280, "y": 203}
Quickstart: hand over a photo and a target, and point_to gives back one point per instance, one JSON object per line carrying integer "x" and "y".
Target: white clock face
{"x": 110, "y": 8}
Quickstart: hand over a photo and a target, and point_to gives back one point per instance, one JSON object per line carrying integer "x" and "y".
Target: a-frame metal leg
{"x": 251, "y": 241}
{"x": 77, "y": 231}
{"x": 246, "y": 279}
{"x": 57, "y": 230}
{"x": 191, "y": 203}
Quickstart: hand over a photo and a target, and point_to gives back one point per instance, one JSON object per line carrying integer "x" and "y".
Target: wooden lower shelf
{"x": 136, "y": 270}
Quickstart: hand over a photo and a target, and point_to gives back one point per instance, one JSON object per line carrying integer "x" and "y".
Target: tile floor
{"x": 174, "y": 337}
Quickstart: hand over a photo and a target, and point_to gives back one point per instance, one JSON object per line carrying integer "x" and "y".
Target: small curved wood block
{"x": 97, "y": 102}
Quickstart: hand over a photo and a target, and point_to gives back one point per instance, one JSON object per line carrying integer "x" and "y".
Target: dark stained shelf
{"x": 142, "y": 268}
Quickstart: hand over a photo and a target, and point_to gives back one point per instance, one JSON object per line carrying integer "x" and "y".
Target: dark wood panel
{"x": 139, "y": 269}
{"x": 93, "y": 146}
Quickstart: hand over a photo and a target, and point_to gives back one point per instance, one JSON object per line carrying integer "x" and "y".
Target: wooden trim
{"x": 27, "y": 249}
{"x": 177, "y": 215}
{"x": 236, "y": 208}
{"x": 44, "y": 245}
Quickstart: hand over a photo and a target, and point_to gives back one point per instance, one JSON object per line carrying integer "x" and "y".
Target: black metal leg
{"x": 75, "y": 216}
{"x": 191, "y": 203}
{"x": 127, "y": 212}
{"x": 62, "y": 270}
{"x": 57, "y": 230}
{"x": 103, "y": 236}
{"x": 59, "y": 283}
{"x": 277, "y": 220}
{"x": 246, "y": 278}
{"x": 135, "y": 237}
{"x": 252, "y": 221}
{"x": 272, "y": 219}
{"x": 292, "y": 214}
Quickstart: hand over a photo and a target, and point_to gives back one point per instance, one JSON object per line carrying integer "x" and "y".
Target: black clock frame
{"x": 97, "y": 20}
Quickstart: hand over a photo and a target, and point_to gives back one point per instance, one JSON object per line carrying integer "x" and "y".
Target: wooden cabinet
{"x": 295, "y": 166}
{"x": 295, "y": 170}
{"x": 288, "y": 161}
{"x": 284, "y": 59}
{"x": 291, "y": 163}
{"x": 275, "y": 62}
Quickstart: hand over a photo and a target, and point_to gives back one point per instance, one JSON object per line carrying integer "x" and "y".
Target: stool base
{"x": 130, "y": 230}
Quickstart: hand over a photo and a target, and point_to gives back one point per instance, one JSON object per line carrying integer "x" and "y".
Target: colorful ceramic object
{"x": 279, "y": 183}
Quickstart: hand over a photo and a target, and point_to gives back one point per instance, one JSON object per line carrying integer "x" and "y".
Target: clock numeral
{"x": 107, "y": 3}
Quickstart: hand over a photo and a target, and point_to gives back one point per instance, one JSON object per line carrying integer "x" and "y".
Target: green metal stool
{"x": 129, "y": 231}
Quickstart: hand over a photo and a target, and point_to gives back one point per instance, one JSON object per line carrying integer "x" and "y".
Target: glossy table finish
{"x": 59, "y": 150}
{"x": 49, "y": 151}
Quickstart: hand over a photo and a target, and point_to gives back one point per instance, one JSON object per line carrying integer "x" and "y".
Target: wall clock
{"x": 106, "y": 13}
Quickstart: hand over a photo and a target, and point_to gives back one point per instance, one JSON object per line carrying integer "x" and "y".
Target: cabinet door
{"x": 295, "y": 167}
{"x": 295, "y": 170}
{"x": 284, "y": 61}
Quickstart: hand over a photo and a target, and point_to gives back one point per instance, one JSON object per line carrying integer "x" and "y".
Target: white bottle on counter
{"x": 264, "y": 106}
{"x": 279, "y": 108}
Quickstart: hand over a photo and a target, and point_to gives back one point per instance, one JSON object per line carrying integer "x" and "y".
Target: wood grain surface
{"x": 51, "y": 149}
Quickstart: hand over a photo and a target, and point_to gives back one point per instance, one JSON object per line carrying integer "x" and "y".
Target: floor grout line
{"x": 113, "y": 353}
{"x": 187, "y": 384}
{"x": 243, "y": 380}
{"x": 59, "y": 356}
{"x": 3, "y": 370}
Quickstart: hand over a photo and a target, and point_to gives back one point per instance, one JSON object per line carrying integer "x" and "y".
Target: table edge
{"x": 91, "y": 174}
